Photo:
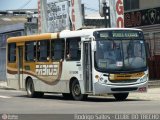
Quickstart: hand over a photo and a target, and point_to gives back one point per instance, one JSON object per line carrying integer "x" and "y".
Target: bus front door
{"x": 87, "y": 66}
{"x": 20, "y": 67}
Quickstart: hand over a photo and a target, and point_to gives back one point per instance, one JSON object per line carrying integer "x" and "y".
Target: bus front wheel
{"x": 31, "y": 90}
{"x": 76, "y": 91}
{"x": 120, "y": 96}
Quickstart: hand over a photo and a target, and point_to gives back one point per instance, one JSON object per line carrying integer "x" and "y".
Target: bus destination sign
{"x": 119, "y": 34}
{"x": 123, "y": 34}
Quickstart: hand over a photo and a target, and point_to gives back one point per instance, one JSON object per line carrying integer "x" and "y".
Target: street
{"x": 16, "y": 102}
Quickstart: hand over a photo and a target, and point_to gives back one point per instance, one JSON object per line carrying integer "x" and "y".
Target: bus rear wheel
{"x": 31, "y": 90}
{"x": 76, "y": 91}
{"x": 120, "y": 96}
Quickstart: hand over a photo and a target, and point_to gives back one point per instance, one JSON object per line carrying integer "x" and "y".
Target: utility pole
{"x": 104, "y": 11}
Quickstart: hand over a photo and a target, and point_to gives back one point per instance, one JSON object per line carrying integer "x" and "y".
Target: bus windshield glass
{"x": 124, "y": 51}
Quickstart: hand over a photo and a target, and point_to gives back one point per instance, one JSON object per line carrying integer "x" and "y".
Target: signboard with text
{"x": 142, "y": 17}
{"x": 75, "y": 14}
{"x": 116, "y": 13}
{"x": 58, "y": 15}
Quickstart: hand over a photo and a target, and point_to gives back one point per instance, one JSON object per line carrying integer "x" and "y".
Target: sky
{"x": 91, "y": 6}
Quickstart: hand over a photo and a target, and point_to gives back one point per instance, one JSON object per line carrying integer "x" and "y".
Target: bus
{"x": 79, "y": 63}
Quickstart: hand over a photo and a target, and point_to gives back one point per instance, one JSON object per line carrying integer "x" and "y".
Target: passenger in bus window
{"x": 109, "y": 52}
{"x": 138, "y": 57}
{"x": 134, "y": 58}
{"x": 73, "y": 50}
{"x": 68, "y": 56}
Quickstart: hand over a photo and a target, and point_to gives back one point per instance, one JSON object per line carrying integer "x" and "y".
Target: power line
{"x": 25, "y": 4}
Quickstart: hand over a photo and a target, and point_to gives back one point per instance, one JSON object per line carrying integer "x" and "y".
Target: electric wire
{"x": 23, "y": 6}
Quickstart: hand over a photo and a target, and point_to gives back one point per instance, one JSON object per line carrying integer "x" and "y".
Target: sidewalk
{"x": 154, "y": 84}
{"x": 3, "y": 84}
{"x": 151, "y": 94}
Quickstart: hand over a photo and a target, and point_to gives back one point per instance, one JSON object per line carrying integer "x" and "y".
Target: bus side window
{"x": 12, "y": 52}
{"x": 73, "y": 51}
{"x": 30, "y": 53}
{"x": 43, "y": 50}
{"x": 57, "y": 49}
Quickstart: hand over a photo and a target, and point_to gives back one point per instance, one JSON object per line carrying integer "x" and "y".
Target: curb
{"x": 154, "y": 84}
{"x": 3, "y": 85}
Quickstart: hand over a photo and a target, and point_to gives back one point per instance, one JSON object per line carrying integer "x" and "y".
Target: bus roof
{"x": 89, "y": 32}
{"x": 63, "y": 34}
{"x": 33, "y": 37}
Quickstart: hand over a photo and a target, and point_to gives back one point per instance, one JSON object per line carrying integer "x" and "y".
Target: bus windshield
{"x": 120, "y": 55}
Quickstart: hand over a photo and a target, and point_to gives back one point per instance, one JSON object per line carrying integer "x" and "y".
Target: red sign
{"x": 73, "y": 15}
{"x": 120, "y": 12}
{"x": 143, "y": 17}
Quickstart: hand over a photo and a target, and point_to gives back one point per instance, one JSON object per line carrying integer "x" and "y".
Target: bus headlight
{"x": 102, "y": 80}
{"x": 144, "y": 78}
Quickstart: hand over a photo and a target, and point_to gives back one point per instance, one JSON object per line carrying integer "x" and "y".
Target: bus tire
{"x": 31, "y": 90}
{"x": 120, "y": 96}
{"x": 76, "y": 91}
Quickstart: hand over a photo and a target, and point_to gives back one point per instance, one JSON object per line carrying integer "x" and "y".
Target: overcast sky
{"x": 91, "y": 5}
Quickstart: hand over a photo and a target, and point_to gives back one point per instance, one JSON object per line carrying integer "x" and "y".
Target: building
{"x": 13, "y": 23}
{"x": 146, "y": 16}
{"x": 138, "y": 14}
{"x": 143, "y": 14}
{"x": 15, "y": 30}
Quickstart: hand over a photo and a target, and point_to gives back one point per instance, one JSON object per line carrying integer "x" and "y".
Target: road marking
{"x": 6, "y": 97}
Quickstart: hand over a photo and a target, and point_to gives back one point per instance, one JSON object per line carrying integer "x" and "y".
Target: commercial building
{"x": 146, "y": 16}
{"x": 13, "y": 23}
{"x": 138, "y": 14}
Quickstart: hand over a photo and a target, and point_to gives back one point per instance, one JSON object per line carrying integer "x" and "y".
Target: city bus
{"x": 79, "y": 63}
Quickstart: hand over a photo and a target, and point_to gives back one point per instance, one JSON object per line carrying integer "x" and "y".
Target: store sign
{"x": 58, "y": 15}
{"x": 142, "y": 17}
{"x": 120, "y": 13}
{"x": 116, "y": 13}
{"x": 75, "y": 14}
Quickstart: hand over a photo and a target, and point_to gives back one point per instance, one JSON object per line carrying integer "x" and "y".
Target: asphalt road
{"x": 12, "y": 101}
{"x": 16, "y": 102}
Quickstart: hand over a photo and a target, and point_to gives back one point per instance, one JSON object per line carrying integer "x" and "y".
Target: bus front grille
{"x": 124, "y": 89}
{"x": 124, "y": 81}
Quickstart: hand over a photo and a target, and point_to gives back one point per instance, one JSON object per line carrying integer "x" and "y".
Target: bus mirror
{"x": 94, "y": 46}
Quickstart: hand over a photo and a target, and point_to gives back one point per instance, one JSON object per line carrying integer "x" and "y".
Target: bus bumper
{"x": 104, "y": 88}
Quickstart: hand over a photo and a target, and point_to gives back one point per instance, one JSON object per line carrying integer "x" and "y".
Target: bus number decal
{"x": 50, "y": 70}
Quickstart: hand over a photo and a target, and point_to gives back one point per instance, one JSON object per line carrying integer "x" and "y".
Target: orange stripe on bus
{"x": 33, "y": 37}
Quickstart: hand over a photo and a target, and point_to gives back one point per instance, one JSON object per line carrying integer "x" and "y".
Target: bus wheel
{"x": 76, "y": 91}
{"x": 120, "y": 96}
{"x": 31, "y": 91}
